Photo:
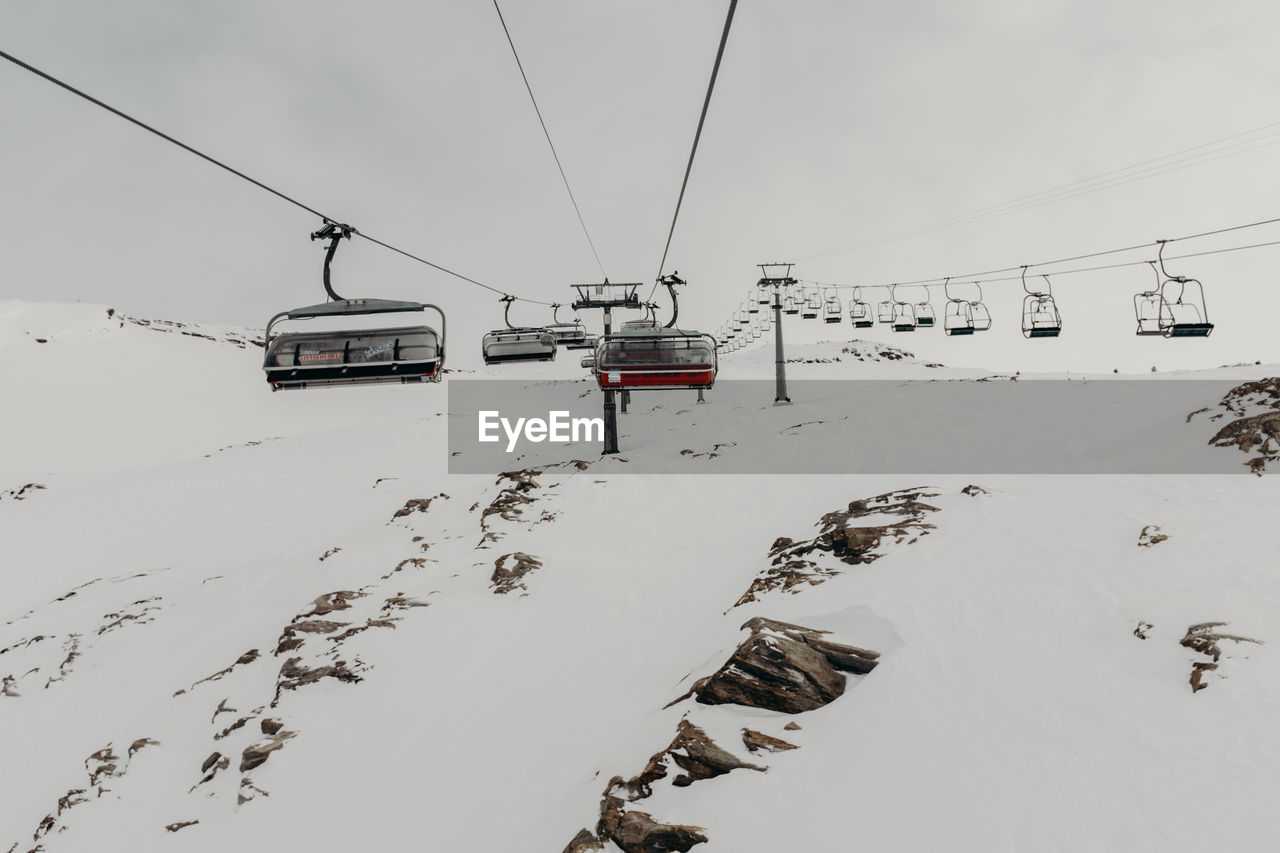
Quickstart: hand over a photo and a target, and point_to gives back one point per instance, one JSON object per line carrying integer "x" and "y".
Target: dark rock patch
{"x": 782, "y": 667}
{"x": 1255, "y": 406}
{"x": 22, "y": 492}
{"x": 256, "y": 754}
{"x": 852, "y": 545}
{"x": 244, "y": 660}
{"x": 504, "y": 579}
{"x": 638, "y": 832}
{"x": 182, "y": 824}
{"x": 1203, "y": 639}
{"x": 293, "y": 675}
{"x": 583, "y": 842}
{"x": 416, "y": 505}
{"x": 755, "y": 741}
{"x": 1151, "y": 535}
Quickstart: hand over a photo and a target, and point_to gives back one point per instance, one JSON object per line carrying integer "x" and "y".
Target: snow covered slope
{"x": 237, "y": 620}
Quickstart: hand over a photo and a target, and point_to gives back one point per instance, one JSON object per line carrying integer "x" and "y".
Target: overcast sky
{"x": 834, "y": 125}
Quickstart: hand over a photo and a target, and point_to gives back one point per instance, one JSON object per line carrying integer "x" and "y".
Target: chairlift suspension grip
{"x": 333, "y": 233}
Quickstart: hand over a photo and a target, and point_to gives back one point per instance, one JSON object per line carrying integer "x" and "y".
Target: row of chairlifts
{"x": 533, "y": 343}
{"x": 399, "y": 354}
{"x": 643, "y": 356}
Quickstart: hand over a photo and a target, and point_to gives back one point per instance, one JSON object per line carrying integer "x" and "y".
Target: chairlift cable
{"x": 28, "y": 67}
{"x": 706, "y": 103}
{"x": 552, "y": 145}
{"x": 1114, "y": 178}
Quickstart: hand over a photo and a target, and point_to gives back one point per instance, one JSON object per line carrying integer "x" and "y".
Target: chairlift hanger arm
{"x": 333, "y": 232}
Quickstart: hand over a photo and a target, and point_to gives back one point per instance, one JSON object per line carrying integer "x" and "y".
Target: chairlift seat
{"x": 1189, "y": 330}
{"x": 513, "y": 345}
{"x": 403, "y": 354}
{"x": 659, "y": 359}
{"x": 1044, "y": 331}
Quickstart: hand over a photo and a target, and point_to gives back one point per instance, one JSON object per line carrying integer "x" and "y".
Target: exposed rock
{"x": 510, "y": 503}
{"x": 400, "y": 602}
{"x": 973, "y": 491}
{"x": 583, "y": 842}
{"x": 329, "y": 602}
{"x": 237, "y": 725}
{"x": 693, "y": 751}
{"x": 244, "y": 660}
{"x": 256, "y": 754}
{"x": 1151, "y": 535}
{"x": 71, "y": 799}
{"x": 1256, "y": 407}
{"x": 293, "y": 675}
{"x": 416, "y": 505}
{"x": 1203, "y": 639}
{"x": 270, "y": 725}
{"x": 782, "y": 667}
{"x": 369, "y": 623}
{"x": 638, "y": 832}
{"x": 141, "y": 743}
{"x": 1141, "y": 631}
{"x": 210, "y": 762}
{"x": 182, "y": 824}
{"x": 852, "y": 544}
{"x": 792, "y": 726}
{"x": 755, "y": 741}
{"x": 22, "y": 493}
{"x": 327, "y": 554}
{"x": 504, "y": 580}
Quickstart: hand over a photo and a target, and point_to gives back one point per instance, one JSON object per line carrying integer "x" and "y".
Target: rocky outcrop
{"x": 257, "y": 753}
{"x": 638, "y": 832}
{"x": 1255, "y": 409}
{"x": 1151, "y": 535}
{"x": 755, "y": 741}
{"x": 844, "y": 538}
{"x": 506, "y": 579}
{"x": 1203, "y": 639}
{"x": 783, "y": 667}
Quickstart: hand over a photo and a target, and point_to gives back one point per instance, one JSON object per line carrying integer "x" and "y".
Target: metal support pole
{"x": 610, "y": 407}
{"x": 701, "y": 399}
{"x": 626, "y": 398}
{"x": 780, "y": 397}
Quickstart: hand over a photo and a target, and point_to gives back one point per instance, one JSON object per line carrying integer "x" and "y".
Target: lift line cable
{"x": 552, "y": 145}
{"x": 715, "y": 70}
{"x": 1151, "y": 172}
{"x": 238, "y": 173}
{"x": 1106, "y": 180}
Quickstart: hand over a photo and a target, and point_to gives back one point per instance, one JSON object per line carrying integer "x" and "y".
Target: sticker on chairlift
{"x": 614, "y": 376}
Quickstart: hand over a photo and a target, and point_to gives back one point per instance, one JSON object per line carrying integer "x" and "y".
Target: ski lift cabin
{"x": 964, "y": 316}
{"x": 510, "y": 345}
{"x": 860, "y": 311}
{"x": 399, "y": 354}
{"x": 345, "y": 356}
{"x": 812, "y": 305}
{"x": 833, "y": 311}
{"x": 1040, "y": 317}
{"x": 517, "y": 343}
{"x": 656, "y": 359}
{"x": 1162, "y": 311}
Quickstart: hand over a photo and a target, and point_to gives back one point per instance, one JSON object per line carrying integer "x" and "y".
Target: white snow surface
{"x": 188, "y": 509}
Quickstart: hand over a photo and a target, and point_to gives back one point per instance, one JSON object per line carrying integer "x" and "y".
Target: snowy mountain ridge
{"x": 238, "y": 619}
